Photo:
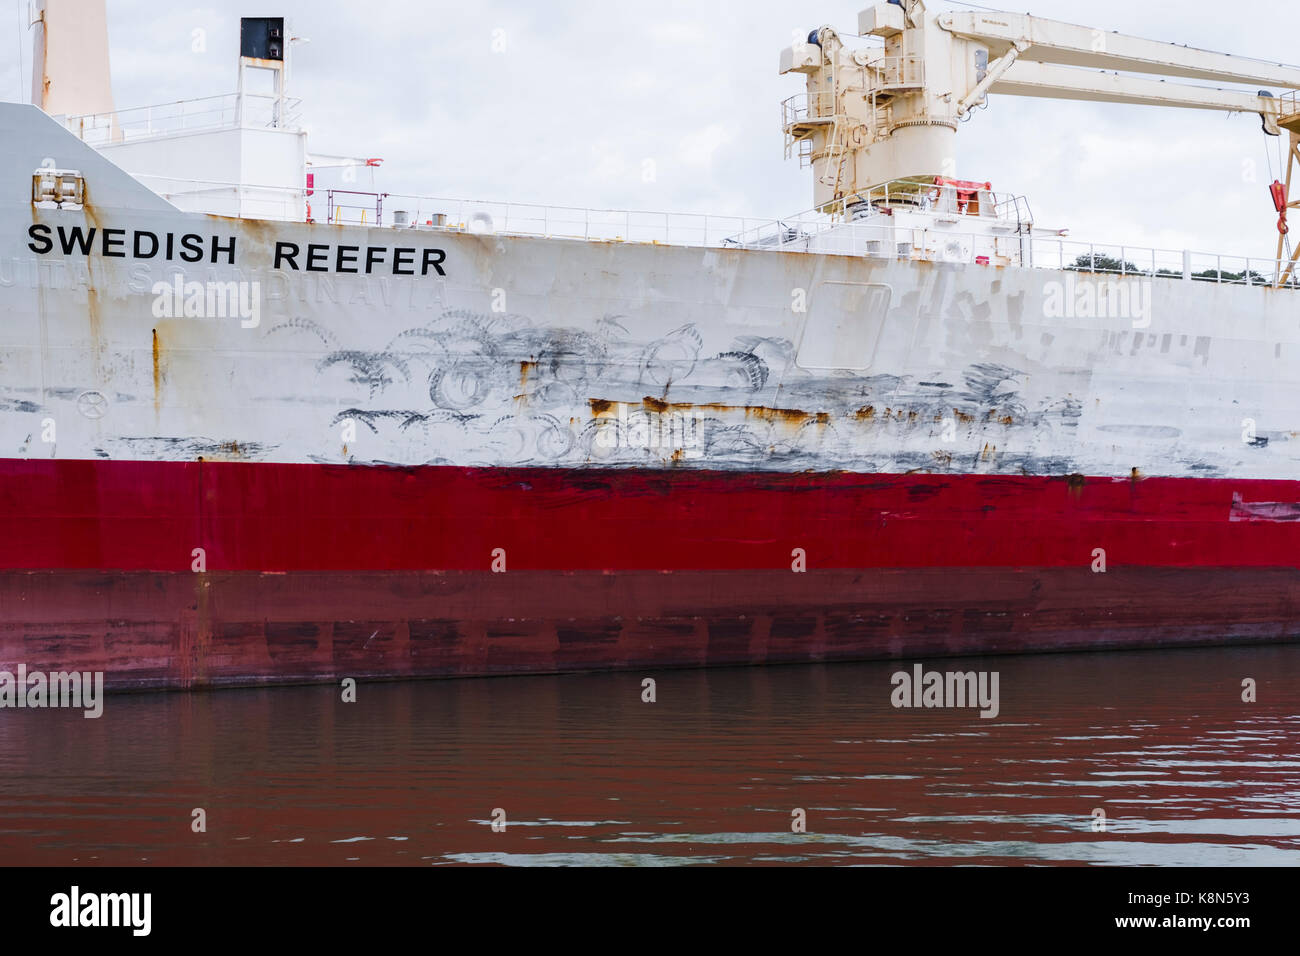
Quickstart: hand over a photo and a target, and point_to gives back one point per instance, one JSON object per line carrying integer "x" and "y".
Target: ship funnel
{"x": 70, "y": 70}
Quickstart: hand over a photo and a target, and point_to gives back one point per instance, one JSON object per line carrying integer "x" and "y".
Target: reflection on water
{"x": 587, "y": 773}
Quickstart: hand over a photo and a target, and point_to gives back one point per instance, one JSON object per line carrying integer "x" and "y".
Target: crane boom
{"x": 1072, "y": 83}
{"x": 890, "y": 113}
{"x": 1067, "y": 44}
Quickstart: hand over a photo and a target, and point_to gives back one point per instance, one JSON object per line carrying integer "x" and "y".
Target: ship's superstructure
{"x": 470, "y": 438}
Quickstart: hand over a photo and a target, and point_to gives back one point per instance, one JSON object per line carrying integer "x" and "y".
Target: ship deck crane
{"x": 890, "y": 113}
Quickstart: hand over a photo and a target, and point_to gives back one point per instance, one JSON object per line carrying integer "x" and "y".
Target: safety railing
{"x": 1144, "y": 262}
{"x": 229, "y": 110}
{"x": 559, "y": 222}
{"x": 238, "y": 200}
{"x": 900, "y": 72}
{"x": 800, "y": 233}
{"x": 354, "y": 208}
{"x": 927, "y": 197}
{"x": 809, "y": 231}
{"x": 805, "y": 106}
{"x": 1289, "y": 103}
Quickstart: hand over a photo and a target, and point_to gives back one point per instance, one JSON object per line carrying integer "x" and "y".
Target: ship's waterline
{"x": 885, "y": 457}
{"x": 236, "y": 573}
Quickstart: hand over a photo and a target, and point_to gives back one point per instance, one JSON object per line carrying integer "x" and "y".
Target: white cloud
{"x": 700, "y": 147}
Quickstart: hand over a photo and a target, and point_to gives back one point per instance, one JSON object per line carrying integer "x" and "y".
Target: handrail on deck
{"x": 789, "y": 234}
{"x": 224, "y": 111}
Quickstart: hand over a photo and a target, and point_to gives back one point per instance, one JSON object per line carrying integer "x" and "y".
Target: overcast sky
{"x": 561, "y": 102}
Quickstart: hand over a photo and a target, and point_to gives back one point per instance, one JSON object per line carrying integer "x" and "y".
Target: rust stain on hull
{"x": 96, "y": 326}
{"x": 157, "y": 374}
{"x": 1074, "y": 485}
{"x": 94, "y": 308}
{"x": 227, "y": 451}
{"x": 789, "y": 416}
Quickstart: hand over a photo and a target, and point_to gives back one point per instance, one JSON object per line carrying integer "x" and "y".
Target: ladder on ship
{"x": 836, "y": 153}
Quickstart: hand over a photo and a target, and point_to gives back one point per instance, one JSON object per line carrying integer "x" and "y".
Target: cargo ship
{"x": 254, "y": 430}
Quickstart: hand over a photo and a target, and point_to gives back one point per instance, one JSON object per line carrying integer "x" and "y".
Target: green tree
{"x": 1098, "y": 262}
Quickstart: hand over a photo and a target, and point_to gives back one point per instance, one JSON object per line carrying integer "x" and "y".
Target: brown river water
{"x": 583, "y": 771}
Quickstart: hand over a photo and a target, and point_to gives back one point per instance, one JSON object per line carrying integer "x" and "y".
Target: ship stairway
{"x": 837, "y": 153}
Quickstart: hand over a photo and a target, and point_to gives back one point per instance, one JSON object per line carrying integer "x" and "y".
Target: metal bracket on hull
{"x": 58, "y": 188}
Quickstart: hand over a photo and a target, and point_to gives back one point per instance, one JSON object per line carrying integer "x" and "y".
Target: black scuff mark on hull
{"x": 1271, "y": 511}
{"x": 21, "y": 406}
{"x": 405, "y": 417}
{"x": 519, "y": 393}
{"x": 370, "y": 369}
{"x": 186, "y": 449}
{"x": 303, "y": 324}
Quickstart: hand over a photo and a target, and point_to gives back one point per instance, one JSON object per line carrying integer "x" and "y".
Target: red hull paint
{"x": 149, "y": 516}
{"x": 153, "y": 630}
{"x": 321, "y": 572}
